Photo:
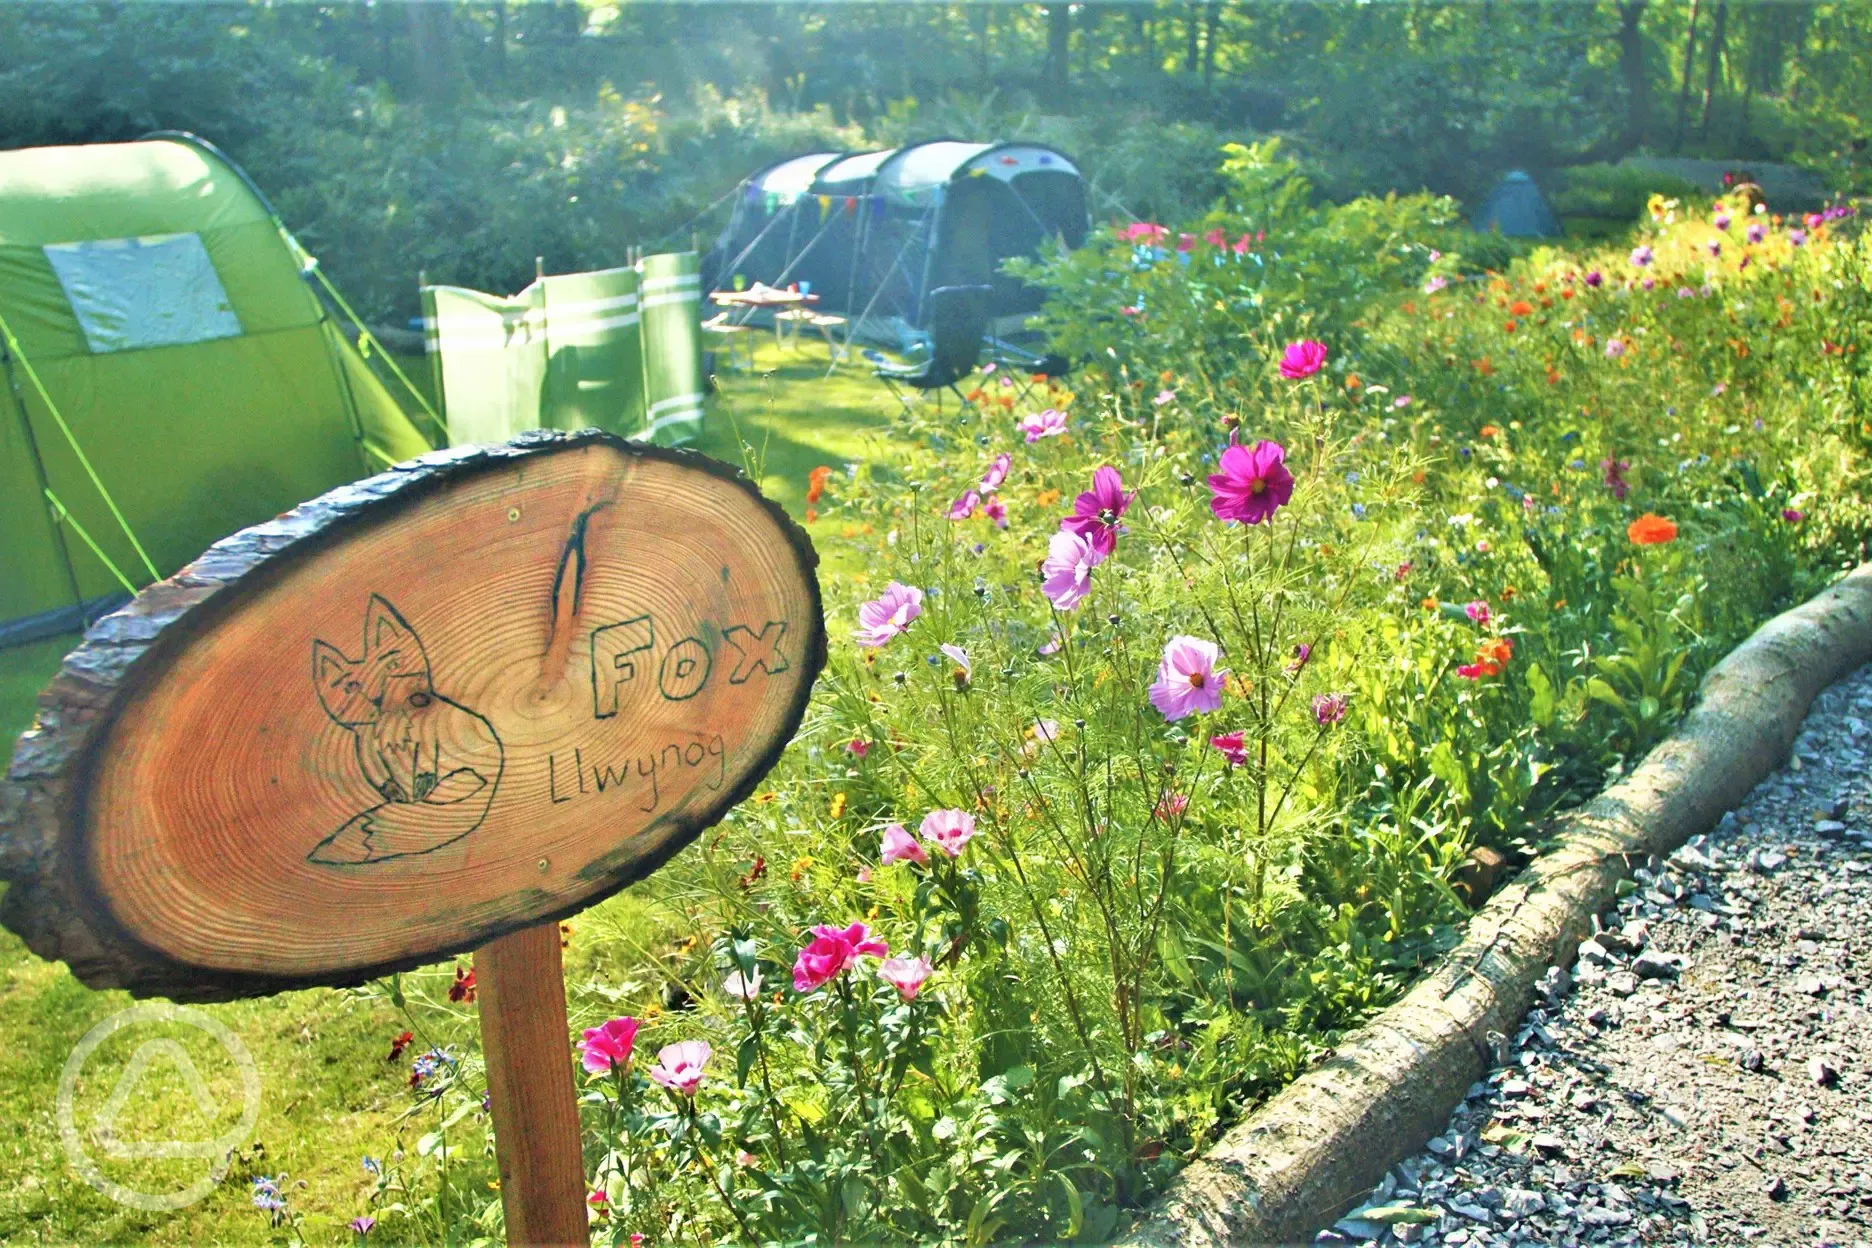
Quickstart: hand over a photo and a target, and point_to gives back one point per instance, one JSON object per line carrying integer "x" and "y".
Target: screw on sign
{"x": 434, "y": 711}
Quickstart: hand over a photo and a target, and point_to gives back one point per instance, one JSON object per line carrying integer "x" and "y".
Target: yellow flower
{"x": 838, "y": 805}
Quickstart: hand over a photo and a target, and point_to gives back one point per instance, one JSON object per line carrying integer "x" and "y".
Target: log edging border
{"x": 1319, "y": 1145}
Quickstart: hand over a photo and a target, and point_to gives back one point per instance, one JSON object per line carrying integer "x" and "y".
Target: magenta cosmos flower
{"x": 679, "y": 1066}
{"x": 1048, "y": 424}
{"x": 1641, "y": 256}
{"x": 888, "y": 615}
{"x": 831, "y": 952}
{"x": 997, "y": 472}
{"x": 948, "y": 830}
{"x": 608, "y": 1047}
{"x": 1187, "y": 679}
{"x": 900, "y": 846}
{"x": 906, "y": 975}
{"x": 1595, "y": 279}
{"x": 1254, "y": 482}
{"x": 965, "y": 506}
{"x": 1479, "y": 612}
{"x": 1096, "y": 512}
{"x": 1068, "y": 569}
{"x": 996, "y": 510}
{"x": 1756, "y": 233}
{"x": 1329, "y": 709}
{"x": 1302, "y": 359}
{"x": 1233, "y": 747}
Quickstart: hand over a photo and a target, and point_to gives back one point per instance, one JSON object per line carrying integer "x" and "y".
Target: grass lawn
{"x": 328, "y": 1096}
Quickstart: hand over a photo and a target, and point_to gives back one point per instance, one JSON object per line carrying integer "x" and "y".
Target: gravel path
{"x": 1703, "y": 1073}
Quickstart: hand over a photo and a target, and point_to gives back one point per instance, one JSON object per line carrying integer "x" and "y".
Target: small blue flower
{"x": 1358, "y": 510}
{"x": 372, "y": 1165}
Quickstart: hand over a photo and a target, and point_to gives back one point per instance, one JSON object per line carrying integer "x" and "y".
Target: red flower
{"x": 463, "y": 989}
{"x": 398, "y": 1045}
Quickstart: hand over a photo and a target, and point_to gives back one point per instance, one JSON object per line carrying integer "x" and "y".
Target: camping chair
{"x": 958, "y": 317}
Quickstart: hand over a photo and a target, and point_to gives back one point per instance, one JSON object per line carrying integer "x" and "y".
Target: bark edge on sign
{"x": 54, "y": 900}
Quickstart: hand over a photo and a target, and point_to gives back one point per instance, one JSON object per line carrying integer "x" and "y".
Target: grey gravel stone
{"x": 1704, "y": 1073}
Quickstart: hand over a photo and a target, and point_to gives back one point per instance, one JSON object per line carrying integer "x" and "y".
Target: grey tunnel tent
{"x": 874, "y": 232}
{"x": 1517, "y": 208}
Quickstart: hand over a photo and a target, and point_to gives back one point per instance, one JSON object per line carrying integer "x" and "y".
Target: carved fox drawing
{"x": 435, "y": 762}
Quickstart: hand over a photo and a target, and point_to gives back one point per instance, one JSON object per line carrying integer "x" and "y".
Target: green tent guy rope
{"x": 13, "y": 347}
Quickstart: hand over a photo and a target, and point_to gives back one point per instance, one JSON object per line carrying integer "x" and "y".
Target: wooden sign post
{"x": 435, "y": 711}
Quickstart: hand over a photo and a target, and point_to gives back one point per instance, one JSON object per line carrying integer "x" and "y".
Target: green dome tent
{"x": 168, "y": 373}
{"x": 1517, "y": 208}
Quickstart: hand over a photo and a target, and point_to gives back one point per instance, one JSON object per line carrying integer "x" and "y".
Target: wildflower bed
{"x": 1168, "y": 711}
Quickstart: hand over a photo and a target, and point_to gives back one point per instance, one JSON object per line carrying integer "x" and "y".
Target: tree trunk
{"x": 1689, "y": 66}
{"x": 432, "y": 50}
{"x": 1059, "y": 47}
{"x": 1212, "y": 21}
{"x": 500, "y": 41}
{"x": 1190, "y": 54}
{"x": 1632, "y": 69}
{"x": 1715, "y": 65}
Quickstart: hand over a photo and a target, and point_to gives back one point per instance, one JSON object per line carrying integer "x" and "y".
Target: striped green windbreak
{"x": 618, "y": 349}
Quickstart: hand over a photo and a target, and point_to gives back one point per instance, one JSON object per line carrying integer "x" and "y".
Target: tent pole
{"x": 916, "y": 233}
{"x": 45, "y": 485}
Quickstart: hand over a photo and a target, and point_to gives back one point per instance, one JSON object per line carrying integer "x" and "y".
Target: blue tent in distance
{"x": 1518, "y": 209}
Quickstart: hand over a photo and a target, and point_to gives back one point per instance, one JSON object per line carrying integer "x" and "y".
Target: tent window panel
{"x": 156, "y": 291}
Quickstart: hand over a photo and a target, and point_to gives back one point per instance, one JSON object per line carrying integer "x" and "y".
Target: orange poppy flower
{"x": 1522, "y": 307}
{"x": 1651, "y": 530}
{"x": 1484, "y": 367}
{"x": 1508, "y": 327}
{"x": 1495, "y": 650}
{"x": 1490, "y": 431}
{"x": 1352, "y": 382}
{"x": 1046, "y": 498}
{"x": 815, "y": 483}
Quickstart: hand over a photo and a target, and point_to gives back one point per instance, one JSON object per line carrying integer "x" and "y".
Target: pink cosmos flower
{"x": 1614, "y": 347}
{"x": 1649, "y": 283}
{"x": 1241, "y": 245}
{"x": 1757, "y": 232}
{"x": 1187, "y": 679}
{"x": 1052, "y": 645}
{"x": 888, "y": 615}
{"x": 1096, "y": 512}
{"x": 965, "y": 506}
{"x": 1233, "y": 747}
{"x": 1129, "y": 309}
{"x": 906, "y": 975}
{"x": 1143, "y": 232}
{"x": 1068, "y": 569}
{"x": 1435, "y": 283}
{"x": 1186, "y": 242}
{"x": 996, "y": 510}
{"x": 1169, "y": 806}
{"x": 1401, "y": 402}
{"x": 1641, "y": 256}
{"x": 608, "y": 1047}
{"x": 1329, "y": 709}
{"x": 948, "y": 830}
{"x": 997, "y": 472}
{"x": 831, "y": 952}
{"x": 1797, "y": 238}
{"x": 900, "y": 846}
{"x": 1048, "y": 424}
{"x": 1302, "y": 359}
{"x": 1792, "y": 516}
{"x": 1163, "y": 397}
{"x": 1301, "y": 653}
{"x": 1217, "y": 237}
{"x": 857, "y": 747}
{"x": 742, "y": 988}
{"x": 1254, "y": 483}
{"x": 1478, "y": 611}
{"x": 1714, "y": 247}
{"x": 1720, "y": 221}
{"x": 1595, "y": 279}
{"x": 679, "y": 1066}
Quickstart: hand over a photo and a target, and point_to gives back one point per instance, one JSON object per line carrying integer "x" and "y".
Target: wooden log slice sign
{"x": 464, "y": 698}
